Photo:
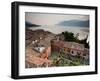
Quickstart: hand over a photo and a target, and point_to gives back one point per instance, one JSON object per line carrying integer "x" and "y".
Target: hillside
{"x": 28, "y": 24}
{"x": 36, "y": 35}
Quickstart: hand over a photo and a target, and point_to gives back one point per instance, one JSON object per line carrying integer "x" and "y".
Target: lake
{"x": 83, "y": 31}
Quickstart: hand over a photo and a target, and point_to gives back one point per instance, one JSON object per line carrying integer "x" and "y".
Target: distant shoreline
{"x": 83, "y": 31}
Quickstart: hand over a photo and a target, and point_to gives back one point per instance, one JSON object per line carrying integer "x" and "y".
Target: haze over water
{"x": 55, "y": 29}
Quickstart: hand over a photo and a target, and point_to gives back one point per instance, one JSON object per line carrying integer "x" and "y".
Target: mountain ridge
{"x": 28, "y": 24}
{"x": 78, "y": 23}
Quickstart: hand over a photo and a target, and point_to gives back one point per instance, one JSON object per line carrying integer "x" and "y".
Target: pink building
{"x": 72, "y": 48}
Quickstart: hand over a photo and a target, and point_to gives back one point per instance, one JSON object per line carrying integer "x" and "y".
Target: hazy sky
{"x": 51, "y": 19}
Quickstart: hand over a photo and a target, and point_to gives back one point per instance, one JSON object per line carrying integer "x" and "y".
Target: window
{"x": 72, "y": 52}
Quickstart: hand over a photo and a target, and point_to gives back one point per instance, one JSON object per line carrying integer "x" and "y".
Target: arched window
{"x": 72, "y": 52}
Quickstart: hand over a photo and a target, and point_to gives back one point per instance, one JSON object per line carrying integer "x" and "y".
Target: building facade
{"x": 73, "y": 48}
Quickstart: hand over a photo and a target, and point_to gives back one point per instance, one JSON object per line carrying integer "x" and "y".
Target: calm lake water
{"x": 83, "y": 31}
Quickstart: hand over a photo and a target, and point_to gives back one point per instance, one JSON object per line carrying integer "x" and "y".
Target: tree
{"x": 69, "y": 36}
{"x": 84, "y": 41}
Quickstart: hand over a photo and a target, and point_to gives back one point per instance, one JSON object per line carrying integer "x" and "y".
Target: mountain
{"x": 78, "y": 23}
{"x": 28, "y": 24}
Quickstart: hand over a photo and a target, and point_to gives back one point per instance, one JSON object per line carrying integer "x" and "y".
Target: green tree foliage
{"x": 69, "y": 36}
